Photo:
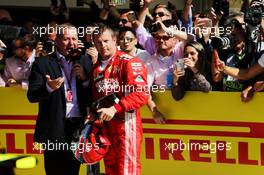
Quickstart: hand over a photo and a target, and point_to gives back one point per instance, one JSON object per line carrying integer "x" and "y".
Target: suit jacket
{"x": 51, "y": 121}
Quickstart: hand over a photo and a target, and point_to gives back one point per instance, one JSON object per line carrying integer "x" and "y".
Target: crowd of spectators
{"x": 179, "y": 48}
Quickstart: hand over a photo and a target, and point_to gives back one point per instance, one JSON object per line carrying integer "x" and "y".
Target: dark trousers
{"x": 61, "y": 163}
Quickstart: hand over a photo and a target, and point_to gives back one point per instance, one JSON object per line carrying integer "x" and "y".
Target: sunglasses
{"x": 164, "y": 38}
{"x": 160, "y": 14}
{"x": 126, "y": 39}
{"x": 123, "y": 21}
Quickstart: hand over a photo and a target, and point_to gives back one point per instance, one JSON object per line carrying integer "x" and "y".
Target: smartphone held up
{"x": 179, "y": 65}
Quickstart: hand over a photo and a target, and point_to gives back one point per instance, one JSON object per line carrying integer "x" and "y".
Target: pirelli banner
{"x": 205, "y": 134}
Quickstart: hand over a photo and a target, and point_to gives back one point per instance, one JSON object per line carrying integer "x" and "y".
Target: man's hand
{"x": 92, "y": 51}
{"x": 12, "y": 83}
{"x": 171, "y": 31}
{"x": 107, "y": 113}
{"x": 147, "y": 2}
{"x": 189, "y": 2}
{"x": 80, "y": 45}
{"x": 54, "y": 84}
{"x": 215, "y": 18}
{"x": 90, "y": 117}
{"x": 158, "y": 116}
{"x": 219, "y": 65}
{"x": 79, "y": 72}
{"x": 247, "y": 94}
{"x": 39, "y": 49}
{"x": 259, "y": 86}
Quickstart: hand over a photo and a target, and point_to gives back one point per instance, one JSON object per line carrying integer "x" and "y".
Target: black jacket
{"x": 51, "y": 121}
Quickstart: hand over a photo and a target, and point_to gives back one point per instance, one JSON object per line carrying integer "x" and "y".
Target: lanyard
{"x": 67, "y": 74}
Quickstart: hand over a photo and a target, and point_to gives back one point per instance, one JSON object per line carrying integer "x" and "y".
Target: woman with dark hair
{"x": 193, "y": 77}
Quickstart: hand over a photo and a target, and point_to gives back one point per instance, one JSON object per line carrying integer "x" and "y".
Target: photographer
{"x": 58, "y": 82}
{"x": 236, "y": 56}
{"x": 245, "y": 74}
{"x": 254, "y": 16}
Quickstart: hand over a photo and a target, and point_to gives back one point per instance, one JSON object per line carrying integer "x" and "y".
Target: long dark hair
{"x": 201, "y": 55}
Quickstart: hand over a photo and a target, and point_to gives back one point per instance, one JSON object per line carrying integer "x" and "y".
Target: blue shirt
{"x": 72, "y": 109}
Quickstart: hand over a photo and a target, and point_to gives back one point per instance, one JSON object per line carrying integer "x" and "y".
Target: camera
{"x": 131, "y": 16}
{"x": 225, "y": 42}
{"x": 75, "y": 55}
{"x": 253, "y": 15}
{"x": 156, "y": 26}
{"x": 48, "y": 46}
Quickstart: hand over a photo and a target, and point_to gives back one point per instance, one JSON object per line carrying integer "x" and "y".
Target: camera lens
{"x": 225, "y": 42}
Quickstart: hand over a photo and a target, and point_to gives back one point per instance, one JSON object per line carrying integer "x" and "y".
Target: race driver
{"x": 118, "y": 72}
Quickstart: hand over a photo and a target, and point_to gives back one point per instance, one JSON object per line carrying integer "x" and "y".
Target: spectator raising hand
{"x": 92, "y": 51}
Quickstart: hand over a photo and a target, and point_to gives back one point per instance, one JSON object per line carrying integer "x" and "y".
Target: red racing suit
{"x": 127, "y": 77}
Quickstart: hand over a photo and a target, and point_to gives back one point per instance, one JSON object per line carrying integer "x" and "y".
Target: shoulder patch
{"x": 139, "y": 79}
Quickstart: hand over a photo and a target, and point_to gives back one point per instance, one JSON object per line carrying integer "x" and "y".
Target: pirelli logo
{"x": 177, "y": 140}
{"x": 204, "y": 141}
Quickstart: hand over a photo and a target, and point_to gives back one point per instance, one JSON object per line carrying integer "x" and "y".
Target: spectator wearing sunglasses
{"x": 128, "y": 42}
{"x": 123, "y": 21}
{"x": 166, "y": 50}
{"x": 163, "y": 12}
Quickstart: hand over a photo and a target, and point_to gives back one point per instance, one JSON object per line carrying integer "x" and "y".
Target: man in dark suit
{"x": 59, "y": 85}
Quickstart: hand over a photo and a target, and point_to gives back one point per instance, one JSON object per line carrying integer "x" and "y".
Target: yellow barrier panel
{"x": 206, "y": 133}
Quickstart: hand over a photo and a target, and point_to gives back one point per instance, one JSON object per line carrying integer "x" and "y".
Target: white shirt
{"x": 160, "y": 70}
{"x": 143, "y": 55}
{"x": 19, "y": 69}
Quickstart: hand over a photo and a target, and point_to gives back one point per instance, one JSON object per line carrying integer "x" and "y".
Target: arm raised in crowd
{"x": 144, "y": 11}
{"x": 216, "y": 74}
{"x": 174, "y": 32}
{"x": 108, "y": 9}
{"x": 186, "y": 10}
{"x": 243, "y": 74}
